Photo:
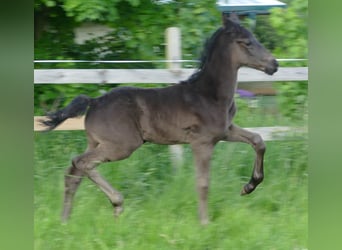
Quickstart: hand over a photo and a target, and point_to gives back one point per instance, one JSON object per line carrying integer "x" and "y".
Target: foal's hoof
{"x": 64, "y": 220}
{"x": 204, "y": 222}
{"x": 247, "y": 189}
{"x": 117, "y": 211}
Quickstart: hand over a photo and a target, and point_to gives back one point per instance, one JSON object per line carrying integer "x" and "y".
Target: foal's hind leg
{"x": 237, "y": 134}
{"x": 72, "y": 178}
{"x": 114, "y": 196}
{"x": 103, "y": 153}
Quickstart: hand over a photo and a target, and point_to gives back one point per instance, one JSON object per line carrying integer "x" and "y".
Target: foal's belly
{"x": 185, "y": 134}
{"x": 164, "y": 135}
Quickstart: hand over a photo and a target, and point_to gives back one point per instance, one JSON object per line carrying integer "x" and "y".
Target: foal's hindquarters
{"x": 112, "y": 135}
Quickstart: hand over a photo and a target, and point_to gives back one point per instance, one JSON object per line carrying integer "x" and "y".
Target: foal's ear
{"x": 229, "y": 21}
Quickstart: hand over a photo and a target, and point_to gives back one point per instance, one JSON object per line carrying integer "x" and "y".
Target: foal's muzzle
{"x": 272, "y": 67}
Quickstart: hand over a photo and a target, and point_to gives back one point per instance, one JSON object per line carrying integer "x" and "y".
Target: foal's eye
{"x": 245, "y": 42}
{"x": 248, "y": 43}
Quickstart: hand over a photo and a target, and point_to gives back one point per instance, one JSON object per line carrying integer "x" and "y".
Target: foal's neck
{"x": 220, "y": 79}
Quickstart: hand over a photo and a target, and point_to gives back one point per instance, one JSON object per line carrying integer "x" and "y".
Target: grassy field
{"x": 161, "y": 202}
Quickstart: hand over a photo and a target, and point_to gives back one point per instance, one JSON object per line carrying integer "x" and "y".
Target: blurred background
{"x": 160, "y": 199}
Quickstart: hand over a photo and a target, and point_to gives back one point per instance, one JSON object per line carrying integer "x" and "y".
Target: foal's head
{"x": 246, "y": 50}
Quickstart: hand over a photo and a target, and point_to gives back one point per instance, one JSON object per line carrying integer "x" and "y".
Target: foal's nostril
{"x": 275, "y": 62}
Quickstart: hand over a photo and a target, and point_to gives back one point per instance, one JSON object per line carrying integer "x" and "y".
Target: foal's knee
{"x": 259, "y": 144}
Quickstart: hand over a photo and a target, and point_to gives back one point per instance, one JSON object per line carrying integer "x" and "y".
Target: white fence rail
{"x": 118, "y": 76}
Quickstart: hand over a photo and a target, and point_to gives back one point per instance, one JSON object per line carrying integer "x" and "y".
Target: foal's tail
{"x": 77, "y": 107}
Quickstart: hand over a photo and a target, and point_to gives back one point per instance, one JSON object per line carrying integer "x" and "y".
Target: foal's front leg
{"x": 202, "y": 155}
{"x": 237, "y": 134}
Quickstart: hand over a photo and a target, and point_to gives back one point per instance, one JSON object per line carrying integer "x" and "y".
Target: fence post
{"x": 173, "y": 47}
{"x": 174, "y": 52}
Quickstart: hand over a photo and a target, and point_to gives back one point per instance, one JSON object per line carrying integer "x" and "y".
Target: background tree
{"x": 138, "y": 25}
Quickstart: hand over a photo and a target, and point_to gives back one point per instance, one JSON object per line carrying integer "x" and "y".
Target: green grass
{"x": 161, "y": 202}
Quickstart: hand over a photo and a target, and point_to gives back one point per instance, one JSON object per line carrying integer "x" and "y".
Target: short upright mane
{"x": 230, "y": 27}
{"x": 208, "y": 48}
{"x": 205, "y": 56}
